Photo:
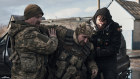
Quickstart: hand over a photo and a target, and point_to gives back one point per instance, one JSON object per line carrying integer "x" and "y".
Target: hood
{"x": 16, "y": 27}
{"x": 105, "y": 12}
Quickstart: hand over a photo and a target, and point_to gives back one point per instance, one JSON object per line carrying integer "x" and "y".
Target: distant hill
{"x": 70, "y": 23}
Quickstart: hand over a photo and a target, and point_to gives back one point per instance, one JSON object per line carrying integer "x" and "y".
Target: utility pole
{"x": 98, "y": 4}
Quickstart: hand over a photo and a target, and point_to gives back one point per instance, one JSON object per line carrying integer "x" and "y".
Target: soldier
{"x": 74, "y": 54}
{"x": 30, "y": 45}
{"x": 107, "y": 42}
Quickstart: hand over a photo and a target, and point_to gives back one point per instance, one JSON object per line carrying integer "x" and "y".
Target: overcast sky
{"x": 52, "y": 8}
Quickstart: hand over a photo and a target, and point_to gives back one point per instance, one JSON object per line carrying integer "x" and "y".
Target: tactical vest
{"x": 71, "y": 58}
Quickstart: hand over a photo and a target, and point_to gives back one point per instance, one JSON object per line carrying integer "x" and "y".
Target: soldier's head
{"x": 102, "y": 18}
{"x": 83, "y": 32}
{"x": 33, "y": 14}
{"x": 101, "y": 21}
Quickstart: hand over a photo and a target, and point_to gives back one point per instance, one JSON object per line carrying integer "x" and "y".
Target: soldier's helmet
{"x": 85, "y": 28}
{"x": 32, "y": 10}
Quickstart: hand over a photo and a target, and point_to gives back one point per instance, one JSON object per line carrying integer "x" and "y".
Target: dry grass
{"x": 3, "y": 29}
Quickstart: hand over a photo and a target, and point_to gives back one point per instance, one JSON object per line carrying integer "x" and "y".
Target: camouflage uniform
{"x": 29, "y": 47}
{"x": 71, "y": 60}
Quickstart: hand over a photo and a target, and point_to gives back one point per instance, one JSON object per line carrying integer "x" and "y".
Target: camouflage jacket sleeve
{"x": 92, "y": 65}
{"x": 33, "y": 40}
{"x": 60, "y": 30}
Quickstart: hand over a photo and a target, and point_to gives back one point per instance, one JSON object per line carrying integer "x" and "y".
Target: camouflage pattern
{"x": 85, "y": 28}
{"x": 71, "y": 60}
{"x": 71, "y": 63}
{"x": 29, "y": 47}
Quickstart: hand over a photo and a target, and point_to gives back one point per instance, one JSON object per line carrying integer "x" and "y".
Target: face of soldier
{"x": 101, "y": 22}
{"x": 83, "y": 39}
{"x": 36, "y": 20}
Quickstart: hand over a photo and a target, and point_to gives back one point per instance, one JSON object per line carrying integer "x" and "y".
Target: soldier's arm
{"x": 91, "y": 64}
{"x": 44, "y": 28}
{"x": 60, "y": 30}
{"x": 40, "y": 43}
{"x": 92, "y": 68}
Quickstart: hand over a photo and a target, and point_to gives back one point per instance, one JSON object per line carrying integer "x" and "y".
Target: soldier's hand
{"x": 94, "y": 73}
{"x": 52, "y": 32}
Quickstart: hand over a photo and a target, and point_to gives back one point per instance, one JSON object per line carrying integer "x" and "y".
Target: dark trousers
{"x": 108, "y": 69}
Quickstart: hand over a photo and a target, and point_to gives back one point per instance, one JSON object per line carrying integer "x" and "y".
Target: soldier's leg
{"x": 110, "y": 75}
{"x": 110, "y": 72}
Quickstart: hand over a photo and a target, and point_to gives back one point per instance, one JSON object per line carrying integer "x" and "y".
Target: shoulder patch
{"x": 29, "y": 36}
{"x": 30, "y": 32}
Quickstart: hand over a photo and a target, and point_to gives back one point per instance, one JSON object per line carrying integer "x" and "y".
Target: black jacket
{"x": 106, "y": 41}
